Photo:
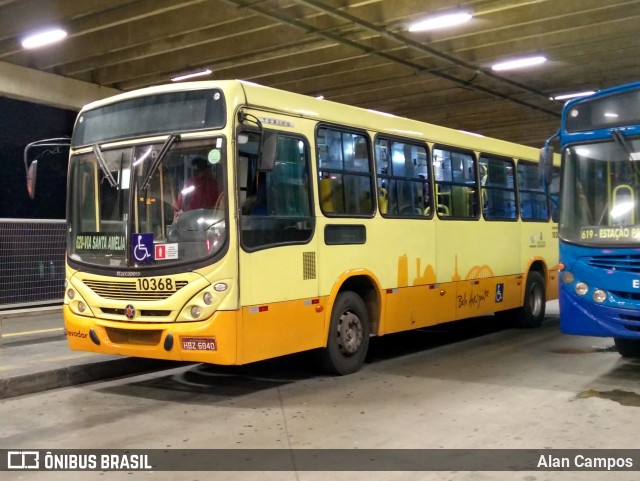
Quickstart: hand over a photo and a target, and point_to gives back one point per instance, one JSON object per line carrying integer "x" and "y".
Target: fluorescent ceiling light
{"x": 44, "y": 38}
{"x": 199, "y": 73}
{"x": 573, "y": 95}
{"x": 519, "y": 63}
{"x": 440, "y": 21}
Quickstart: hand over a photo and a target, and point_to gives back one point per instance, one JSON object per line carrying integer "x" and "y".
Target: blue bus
{"x": 599, "y": 225}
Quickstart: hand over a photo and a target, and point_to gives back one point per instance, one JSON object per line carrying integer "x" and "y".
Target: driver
{"x": 200, "y": 191}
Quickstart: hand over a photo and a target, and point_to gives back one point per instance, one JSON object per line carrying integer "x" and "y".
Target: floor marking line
{"x": 26, "y": 333}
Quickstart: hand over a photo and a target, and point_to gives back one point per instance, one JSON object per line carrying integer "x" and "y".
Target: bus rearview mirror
{"x": 546, "y": 164}
{"x": 31, "y": 178}
{"x": 268, "y": 148}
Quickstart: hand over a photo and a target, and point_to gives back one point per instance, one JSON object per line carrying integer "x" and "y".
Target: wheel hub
{"x": 349, "y": 333}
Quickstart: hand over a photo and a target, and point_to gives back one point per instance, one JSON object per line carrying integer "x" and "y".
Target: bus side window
{"x": 456, "y": 185}
{"x": 533, "y": 198}
{"x": 404, "y": 189}
{"x": 498, "y": 188}
{"x": 345, "y": 178}
{"x": 275, "y": 205}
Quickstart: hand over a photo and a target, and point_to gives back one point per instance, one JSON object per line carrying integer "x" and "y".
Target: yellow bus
{"x": 227, "y": 222}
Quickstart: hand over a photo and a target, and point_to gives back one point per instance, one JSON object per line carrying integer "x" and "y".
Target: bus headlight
{"x": 581, "y": 288}
{"x": 599, "y": 296}
{"x": 71, "y": 294}
{"x": 568, "y": 277}
{"x": 195, "y": 312}
{"x": 82, "y": 306}
{"x": 220, "y": 287}
{"x": 207, "y": 298}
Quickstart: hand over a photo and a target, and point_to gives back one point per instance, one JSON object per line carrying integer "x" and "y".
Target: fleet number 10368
{"x": 153, "y": 284}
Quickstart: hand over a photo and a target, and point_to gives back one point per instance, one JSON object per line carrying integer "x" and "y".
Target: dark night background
{"x": 21, "y": 123}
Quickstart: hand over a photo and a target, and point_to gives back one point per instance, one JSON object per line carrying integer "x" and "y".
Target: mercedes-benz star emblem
{"x": 130, "y": 311}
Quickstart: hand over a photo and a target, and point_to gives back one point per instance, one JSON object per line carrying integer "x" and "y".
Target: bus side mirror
{"x": 31, "y": 179}
{"x": 545, "y": 167}
{"x": 32, "y": 168}
{"x": 268, "y": 147}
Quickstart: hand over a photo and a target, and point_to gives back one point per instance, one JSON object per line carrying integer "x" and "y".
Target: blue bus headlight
{"x": 581, "y": 288}
{"x": 599, "y": 296}
{"x": 568, "y": 277}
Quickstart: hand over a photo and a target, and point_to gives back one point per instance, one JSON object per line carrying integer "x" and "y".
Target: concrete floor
{"x": 475, "y": 385}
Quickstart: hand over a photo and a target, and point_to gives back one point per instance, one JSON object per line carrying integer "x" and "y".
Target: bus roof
{"x": 275, "y": 100}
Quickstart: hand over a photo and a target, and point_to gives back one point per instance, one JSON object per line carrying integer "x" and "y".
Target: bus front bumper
{"x": 579, "y": 315}
{"x": 213, "y": 340}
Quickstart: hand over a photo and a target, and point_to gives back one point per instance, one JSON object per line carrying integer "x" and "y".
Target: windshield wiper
{"x": 103, "y": 166}
{"x": 173, "y": 138}
{"x": 621, "y": 140}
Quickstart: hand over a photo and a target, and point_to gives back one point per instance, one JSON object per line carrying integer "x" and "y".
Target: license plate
{"x": 198, "y": 343}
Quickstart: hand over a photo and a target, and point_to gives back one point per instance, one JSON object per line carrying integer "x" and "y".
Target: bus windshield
{"x": 600, "y": 192}
{"x": 136, "y": 206}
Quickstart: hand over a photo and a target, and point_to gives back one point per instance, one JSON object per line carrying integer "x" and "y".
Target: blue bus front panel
{"x": 617, "y": 269}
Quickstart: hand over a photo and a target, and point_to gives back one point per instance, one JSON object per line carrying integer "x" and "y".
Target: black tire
{"x": 531, "y": 314}
{"x": 348, "y": 338}
{"x": 627, "y": 347}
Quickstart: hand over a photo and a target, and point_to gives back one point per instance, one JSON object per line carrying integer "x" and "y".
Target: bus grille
{"x": 141, "y": 312}
{"x": 628, "y": 296}
{"x": 308, "y": 265}
{"x": 128, "y": 291}
{"x": 617, "y": 263}
{"x": 131, "y": 336}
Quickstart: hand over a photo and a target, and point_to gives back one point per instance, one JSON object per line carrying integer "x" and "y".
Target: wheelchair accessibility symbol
{"x": 499, "y": 292}
{"x": 142, "y": 249}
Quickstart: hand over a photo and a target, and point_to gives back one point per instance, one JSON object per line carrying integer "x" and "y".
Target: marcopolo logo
{"x": 23, "y": 460}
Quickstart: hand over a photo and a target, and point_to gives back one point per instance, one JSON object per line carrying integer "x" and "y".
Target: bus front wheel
{"x": 348, "y": 338}
{"x": 627, "y": 347}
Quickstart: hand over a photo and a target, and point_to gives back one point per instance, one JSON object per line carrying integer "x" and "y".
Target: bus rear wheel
{"x": 627, "y": 347}
{"x": 531, "y": 314}
{"x": 348, "y": 339}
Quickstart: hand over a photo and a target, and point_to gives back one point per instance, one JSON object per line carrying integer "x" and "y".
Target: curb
{"x": 80, "y": 374}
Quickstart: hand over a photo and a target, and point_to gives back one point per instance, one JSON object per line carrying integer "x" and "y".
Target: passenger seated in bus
{"x": 201, "y": 191}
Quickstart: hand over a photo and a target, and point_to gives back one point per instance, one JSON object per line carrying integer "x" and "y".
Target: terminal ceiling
{"x": 358, "y": 52}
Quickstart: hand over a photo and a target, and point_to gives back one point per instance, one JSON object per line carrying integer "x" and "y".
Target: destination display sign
{"x": 100, "y": 242}
{"x": 610, "y": 235}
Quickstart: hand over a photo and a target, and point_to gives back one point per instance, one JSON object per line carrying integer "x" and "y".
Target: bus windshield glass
{"x": 151, "y": 114}
{"x": 600, "y": 192}
{"x": 133, "y": 207}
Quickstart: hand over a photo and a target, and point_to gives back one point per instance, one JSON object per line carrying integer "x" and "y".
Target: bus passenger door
{"x": 278, "y": 281}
